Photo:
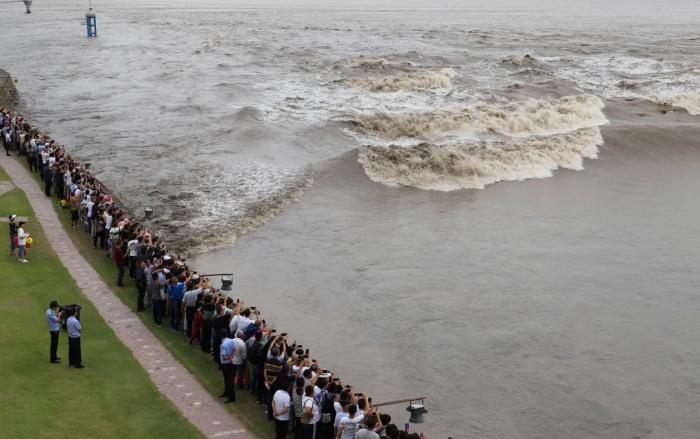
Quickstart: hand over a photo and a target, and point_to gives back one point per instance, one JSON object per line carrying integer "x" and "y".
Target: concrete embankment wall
{"x": 8, "y": 93}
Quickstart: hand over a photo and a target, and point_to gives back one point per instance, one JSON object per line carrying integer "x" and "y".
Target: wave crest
{"x": 475, "y": 165}
{"x": 381, "y": 65}
{"x": 517, "y": 119}
{"x": 521, "y": 61}
{"x": 428, "y": 80}
{"x": 688, "y": 101}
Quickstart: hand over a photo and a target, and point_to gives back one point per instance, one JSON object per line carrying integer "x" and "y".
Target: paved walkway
{"x": 6, "y": 186}
{"x": 171, "y": 378}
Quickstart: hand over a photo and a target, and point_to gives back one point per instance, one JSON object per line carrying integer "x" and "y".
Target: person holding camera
{"x": 53, "y": 322}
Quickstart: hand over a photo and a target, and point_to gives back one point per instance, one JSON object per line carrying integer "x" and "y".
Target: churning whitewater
{"x": 475, "y": 165}
{"x": 537, "y": 137}
{"x": 515, "y": 119}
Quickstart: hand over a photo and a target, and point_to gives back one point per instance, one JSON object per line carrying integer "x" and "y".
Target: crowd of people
{"x": 296, "y": 392}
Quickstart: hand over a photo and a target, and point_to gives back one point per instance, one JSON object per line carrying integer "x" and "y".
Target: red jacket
{"x": 118, "y": 256}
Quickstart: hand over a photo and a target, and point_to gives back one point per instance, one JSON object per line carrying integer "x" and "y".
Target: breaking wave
{"x": 475, "y": 165}
{"x": 521, "y": 61}
{"x": 632, "y": 84}
{"x": 688, "y": 101}
{"x": 381, "y": 65}
{"x": 428, "y": 80}
{"x": 516, "y": 119}
{"x": 182, "y": 231}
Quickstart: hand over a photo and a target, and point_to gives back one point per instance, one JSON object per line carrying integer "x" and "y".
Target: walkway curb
{"x": 170, "y": 377}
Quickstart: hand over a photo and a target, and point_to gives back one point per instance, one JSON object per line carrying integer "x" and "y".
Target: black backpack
{"x": 256, "y": 353}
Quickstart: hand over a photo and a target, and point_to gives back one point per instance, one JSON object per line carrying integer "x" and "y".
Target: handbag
{"x": 307, "y": 417}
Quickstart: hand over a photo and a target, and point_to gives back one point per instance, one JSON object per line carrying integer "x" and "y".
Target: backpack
{"x": 250, "y": 330}
{"x": 327, "y": 408}
{"x": 257, "y": 353}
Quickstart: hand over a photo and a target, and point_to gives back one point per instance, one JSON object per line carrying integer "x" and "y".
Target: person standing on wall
{"x": 54, "y": 322}
{"x": 74, "y": 332}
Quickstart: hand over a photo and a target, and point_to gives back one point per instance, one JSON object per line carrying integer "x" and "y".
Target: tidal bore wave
{"x": 475, "y": 165}
{"x": 516, "y": 119}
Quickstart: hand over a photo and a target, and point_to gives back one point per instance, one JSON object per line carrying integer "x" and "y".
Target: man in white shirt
{"x": 281, "y": 402}
{"x": 240, "y": 322}
{"x": 311, "y": 414}
{"x": 114, "y": 232}
{"x": 44, "y": 157}
{"x": 74, "y": 332}
{"x": 189, "y": 307}
{"x": 341, "y": 414}
{"x": 239, "y": 357}
{"x": 350, "y": 424}
{"x": 370, "y": 426}
{"x": 133, "y": 246}
{"x": 89, "y": 204}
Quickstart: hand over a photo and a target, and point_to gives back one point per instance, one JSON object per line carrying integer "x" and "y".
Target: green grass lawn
{"x": 191, "y": 356}
{"x": 112, "y": 397}
{"x": 3, "y": 175}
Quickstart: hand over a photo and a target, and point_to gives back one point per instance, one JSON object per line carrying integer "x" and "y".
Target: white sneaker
{"x": 23, "y": 260}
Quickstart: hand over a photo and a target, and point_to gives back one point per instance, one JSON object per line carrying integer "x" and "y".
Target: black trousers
{"x": 54, "y": 346}
{"x": 229, "y": 388}
{"x": 260, "y": 386}
{"x": 47, "y": 188}
{"x": 281, "y": 428}
{"x": 140, "y": 305}
{"x": 189, "y": 316}
{"x": 268, "y": 400}
{"x": 297, "y": 427}
{"x": 158, "y": 311}
{"x": 120, "y": 275}
{"x": 308, "y": 431}
{"x": 74, "y": 356}
{"x": 205, "y": 339}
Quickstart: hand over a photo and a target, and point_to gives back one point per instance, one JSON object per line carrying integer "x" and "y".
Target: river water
{"x": 493, "y": 208}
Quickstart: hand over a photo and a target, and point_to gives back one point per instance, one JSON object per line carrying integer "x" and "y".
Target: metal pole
{"x": 398, "y": 401}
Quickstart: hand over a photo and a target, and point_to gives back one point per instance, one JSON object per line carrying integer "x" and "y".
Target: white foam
{"x": 426, "y": 80}
{"x": 475, "y": 165}
{"x": 517, "y": 119}
{"x": 688, "y": 101}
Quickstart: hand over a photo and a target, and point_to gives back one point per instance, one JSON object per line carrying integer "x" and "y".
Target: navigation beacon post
{"x": 91, "y": 23}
